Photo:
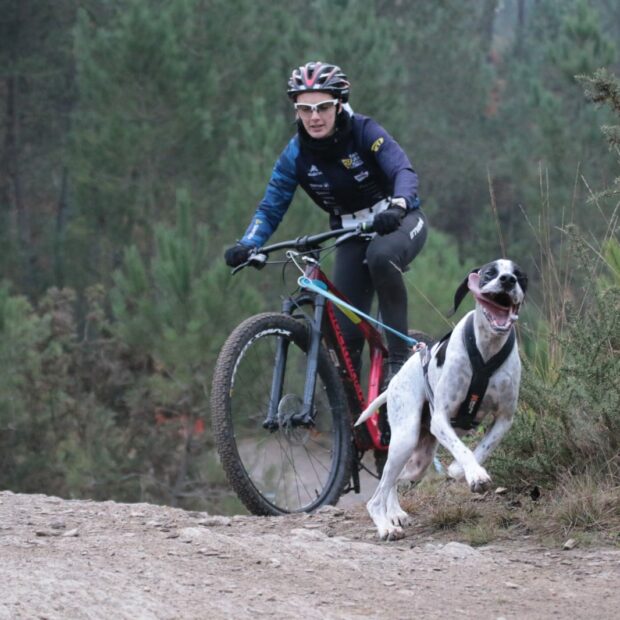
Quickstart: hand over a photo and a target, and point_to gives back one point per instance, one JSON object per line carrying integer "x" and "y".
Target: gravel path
{"x": 79, "y": 559}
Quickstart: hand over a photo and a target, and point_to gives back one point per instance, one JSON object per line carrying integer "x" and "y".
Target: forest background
{"x": 136, "y": 139}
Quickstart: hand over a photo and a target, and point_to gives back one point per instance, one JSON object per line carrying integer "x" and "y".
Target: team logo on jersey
{"x": 352, "y": 161}
{"x": 314, "y": 171}
{"x": 255, "y": 227}
{"x": 376, "y": 145}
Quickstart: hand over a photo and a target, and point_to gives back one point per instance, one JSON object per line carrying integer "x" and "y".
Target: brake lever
{"x": 257, "y": 260}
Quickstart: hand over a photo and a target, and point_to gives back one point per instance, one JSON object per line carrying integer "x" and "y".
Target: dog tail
{"x": 374, "y": 405}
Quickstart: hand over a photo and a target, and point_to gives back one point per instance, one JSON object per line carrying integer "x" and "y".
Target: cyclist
{"x": 355, "y": 171}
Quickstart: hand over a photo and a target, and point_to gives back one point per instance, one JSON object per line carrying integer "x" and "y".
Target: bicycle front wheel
{"x": 293, "y": 468}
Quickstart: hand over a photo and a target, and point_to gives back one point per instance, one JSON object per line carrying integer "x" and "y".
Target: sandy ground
{"x": 81, "y": 559}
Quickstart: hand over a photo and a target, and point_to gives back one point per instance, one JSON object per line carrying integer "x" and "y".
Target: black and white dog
{"x": 450, "y": 388}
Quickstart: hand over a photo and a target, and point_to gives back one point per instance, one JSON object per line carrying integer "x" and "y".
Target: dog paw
{"x": 480, "y": 481}
{"x": 399, "y": 519}
{"x": 391, "y": 533}
{"x": 455, "y": 471}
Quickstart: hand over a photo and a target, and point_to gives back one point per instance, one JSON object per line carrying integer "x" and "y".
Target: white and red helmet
{"x": 319, "y": 76}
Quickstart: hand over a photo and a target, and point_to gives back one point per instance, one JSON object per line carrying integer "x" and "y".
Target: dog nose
{"x": 507, "y": 280}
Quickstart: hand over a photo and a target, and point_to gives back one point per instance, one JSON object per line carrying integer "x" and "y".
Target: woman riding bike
{"x": 355, "y": 171}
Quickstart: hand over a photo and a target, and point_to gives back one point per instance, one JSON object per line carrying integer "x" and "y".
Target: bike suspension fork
{"x": 305, "y": 417}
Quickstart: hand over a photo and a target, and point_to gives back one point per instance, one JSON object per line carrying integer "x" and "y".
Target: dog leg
{"x": 488, "y": 443}
{"x": 421, "y": 458}
{"x": 477, "y": 477}
{"x": 414, "y": 470}
{"x": 383, "y": 506}
{"x": 492, "y": 438}
{"x": 404, "y": 413}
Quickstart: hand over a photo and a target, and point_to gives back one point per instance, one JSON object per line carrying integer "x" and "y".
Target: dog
{"x": 437, "y": 390}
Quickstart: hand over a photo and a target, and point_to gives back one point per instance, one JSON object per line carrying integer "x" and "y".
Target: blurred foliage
{"x": 569, "y": 420}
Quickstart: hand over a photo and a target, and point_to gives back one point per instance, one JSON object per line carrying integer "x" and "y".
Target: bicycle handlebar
{"x": 258, "y": 258}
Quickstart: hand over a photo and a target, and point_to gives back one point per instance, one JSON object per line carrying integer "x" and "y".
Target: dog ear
{"x": 461, "y": 291}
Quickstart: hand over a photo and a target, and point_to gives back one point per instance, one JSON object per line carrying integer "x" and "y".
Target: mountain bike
{"x": 285, "y": 391}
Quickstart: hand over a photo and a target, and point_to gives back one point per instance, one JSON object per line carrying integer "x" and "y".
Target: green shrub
{"x": 569, "y": 417}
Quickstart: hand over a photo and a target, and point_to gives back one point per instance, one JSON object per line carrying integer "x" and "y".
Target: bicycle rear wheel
{"x": 291, "y": 469}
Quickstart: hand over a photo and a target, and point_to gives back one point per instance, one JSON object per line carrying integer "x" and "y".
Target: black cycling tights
{"x": 363, "y": 267}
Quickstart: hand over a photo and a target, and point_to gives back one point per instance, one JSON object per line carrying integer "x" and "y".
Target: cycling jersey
{"x": 366, "y": 167}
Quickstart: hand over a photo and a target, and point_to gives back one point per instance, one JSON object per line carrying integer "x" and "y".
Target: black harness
{"x": 481, "y": 374}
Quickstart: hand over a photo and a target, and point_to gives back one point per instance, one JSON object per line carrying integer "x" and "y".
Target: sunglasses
{"x": 322, "y": 107}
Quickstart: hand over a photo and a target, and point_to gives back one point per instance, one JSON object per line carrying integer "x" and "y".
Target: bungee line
{"x": 316, "y": 286}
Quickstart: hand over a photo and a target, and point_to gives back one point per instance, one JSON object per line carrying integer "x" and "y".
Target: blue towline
{"x": 316, "y": 286}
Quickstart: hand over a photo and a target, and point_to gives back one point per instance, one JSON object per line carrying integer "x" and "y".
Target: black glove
{"x": 237, "y": 254}
{"x": 388, "y": 221}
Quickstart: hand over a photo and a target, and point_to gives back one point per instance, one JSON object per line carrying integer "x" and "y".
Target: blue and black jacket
{"x": 360, "y": 166}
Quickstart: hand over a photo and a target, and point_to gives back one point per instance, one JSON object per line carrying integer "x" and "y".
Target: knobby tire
{"x": 292, "y": 469}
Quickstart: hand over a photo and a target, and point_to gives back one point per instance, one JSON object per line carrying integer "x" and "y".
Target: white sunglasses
{"x": 306, "y": 109}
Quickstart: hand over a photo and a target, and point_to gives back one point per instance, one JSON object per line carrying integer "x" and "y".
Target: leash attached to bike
{"x": 318, "y": 287}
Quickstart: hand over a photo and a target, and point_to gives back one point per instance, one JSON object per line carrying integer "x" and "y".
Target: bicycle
{"x": 285, "y": 392}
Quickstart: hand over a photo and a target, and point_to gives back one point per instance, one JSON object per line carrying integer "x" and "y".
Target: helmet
{"x": 319, "y": 76}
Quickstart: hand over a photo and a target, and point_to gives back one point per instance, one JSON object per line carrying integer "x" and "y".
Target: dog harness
{"x": 482, "y": 372}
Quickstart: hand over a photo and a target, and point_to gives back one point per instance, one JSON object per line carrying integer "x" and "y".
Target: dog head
{"x": 499, "y": 288}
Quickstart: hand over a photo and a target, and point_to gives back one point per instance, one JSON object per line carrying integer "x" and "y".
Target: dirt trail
{"x": 80, "y": 559}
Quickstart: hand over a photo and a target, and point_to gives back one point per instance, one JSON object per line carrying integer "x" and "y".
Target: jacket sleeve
{"x": 394, "y": 163}
{"x": 278, "y": 196}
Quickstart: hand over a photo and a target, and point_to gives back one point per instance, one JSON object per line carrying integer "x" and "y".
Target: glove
{"x": 237, "y": 254}
{"x": 388, "y": 221}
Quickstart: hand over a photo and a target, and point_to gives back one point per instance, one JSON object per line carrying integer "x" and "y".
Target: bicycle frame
{"x": 324, "y": 324}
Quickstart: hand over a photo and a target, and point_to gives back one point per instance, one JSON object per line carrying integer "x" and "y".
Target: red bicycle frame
{"x": 377, "y": 351}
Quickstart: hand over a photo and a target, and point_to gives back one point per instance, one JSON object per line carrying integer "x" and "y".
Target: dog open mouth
{"x": 498, "y": 308}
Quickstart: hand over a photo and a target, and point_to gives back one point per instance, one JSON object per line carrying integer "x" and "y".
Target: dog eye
{"x": 491, "y": 272}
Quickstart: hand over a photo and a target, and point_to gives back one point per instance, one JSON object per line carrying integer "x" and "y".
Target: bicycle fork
{"x": 305, "y": 417}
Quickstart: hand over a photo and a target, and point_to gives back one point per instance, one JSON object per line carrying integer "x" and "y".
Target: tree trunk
{"x": 16, "y": 198}
{"x": 62, "y": 212}
{"x": 5, "y": 182}
{"x": 520, "y": 28}
{"x": 487, "y": 26}
{"x": 13, "y": 181}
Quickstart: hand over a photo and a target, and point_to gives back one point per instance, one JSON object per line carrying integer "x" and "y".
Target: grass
{"x": 579, "y": 508}
{"x": 580, "y": 504}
